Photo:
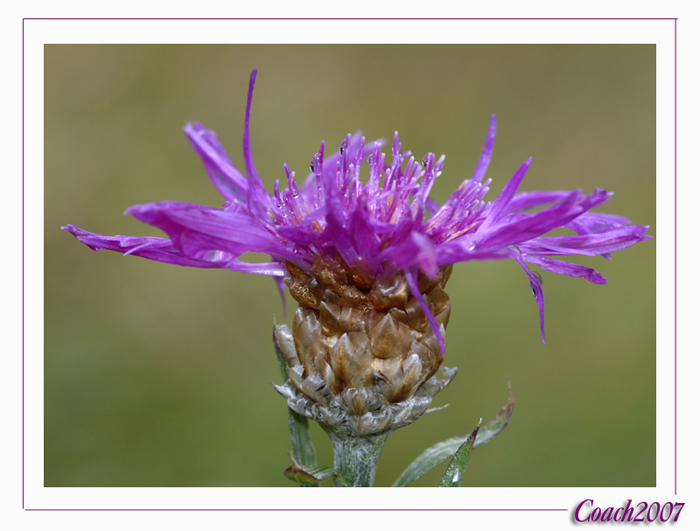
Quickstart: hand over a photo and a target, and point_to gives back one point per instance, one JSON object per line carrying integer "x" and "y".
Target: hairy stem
{"x": 355, "y": 458}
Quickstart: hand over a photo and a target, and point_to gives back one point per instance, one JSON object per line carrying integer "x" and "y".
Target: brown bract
{"x": 353, "y": 331}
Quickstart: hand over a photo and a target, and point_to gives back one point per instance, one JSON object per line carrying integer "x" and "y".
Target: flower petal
{"x": 412, "y": 279}
{"x": 516, "y": 228}
{"x": 565, "y": 268}
{"x": 163, "y": 250}
{"x": 426, "y": 257}
{"x": 486, "y": 153}
{"x": 223, "y": 174}
{"x": 500, "y": 206}
{"x": 257, "y": 198}
{"x": 527, "y": 200}
{"x": 196, "y": 230}
{"x": 587, "y": 244}
{"x": 535, "y": 286}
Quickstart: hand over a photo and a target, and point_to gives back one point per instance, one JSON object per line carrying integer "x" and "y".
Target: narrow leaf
{"x": 437, "y": 453}
{"x": 455, "y": 470}
{"x": 308, "y": 475}
{"x": 496, "y": 424}
{"x": 303, "y": 450}
{"x": 302, "y": 445}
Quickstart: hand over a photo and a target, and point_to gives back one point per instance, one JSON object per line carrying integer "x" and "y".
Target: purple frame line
{"x": 348, "y": 18}
{"x": 22, "y": 263}
{"x": 675, "y": 236}
{"x": 675, "y": 257}
{"x": 311, "y": 510}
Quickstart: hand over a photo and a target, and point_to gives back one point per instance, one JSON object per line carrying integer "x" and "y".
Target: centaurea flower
{"x": 368, "y": 262}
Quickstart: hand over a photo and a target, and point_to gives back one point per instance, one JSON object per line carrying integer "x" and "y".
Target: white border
{"x": 40, "y": 32}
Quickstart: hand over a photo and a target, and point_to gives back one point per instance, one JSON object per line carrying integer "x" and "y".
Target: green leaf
{"x": 308, "y": 475}
{"x": 303, "y": 450}
{"x": 437, "y": 453}
{"x": 455, "y": 470}
{"x": 302, "y": 445}
{"x": 496, "y": 424}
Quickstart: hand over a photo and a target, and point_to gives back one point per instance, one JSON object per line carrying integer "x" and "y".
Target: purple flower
{"x": 370, "y": 231}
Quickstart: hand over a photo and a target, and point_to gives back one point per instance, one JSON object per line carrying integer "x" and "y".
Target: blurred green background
{"x": 157, "y": 375}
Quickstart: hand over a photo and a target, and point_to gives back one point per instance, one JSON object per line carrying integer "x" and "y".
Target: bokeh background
{"x": 157, "y": 375}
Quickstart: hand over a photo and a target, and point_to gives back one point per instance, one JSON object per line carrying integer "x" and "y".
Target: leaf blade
{"x": 437, "y": 453}
{"x": 303, "y": 450}
{"x": 455, "y": 470}
{"x": 308, "y": 475}
{"x": 497, "y": 424}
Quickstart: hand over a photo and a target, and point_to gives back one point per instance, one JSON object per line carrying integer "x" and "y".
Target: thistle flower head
{"x": 367, "y": 261}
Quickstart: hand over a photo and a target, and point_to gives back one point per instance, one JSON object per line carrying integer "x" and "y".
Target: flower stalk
{"x": 355, "y": 458}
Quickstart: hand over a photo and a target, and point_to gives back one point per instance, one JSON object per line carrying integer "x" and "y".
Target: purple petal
{"x": 600, "y": 221}
{"x": 527, "y": 200}
{"x": 587, "y": 244}
{"x": 163, "y": 250}
{"x": 500, "y": 206}
{"x": 535, "y": 286}
{"x": 595, "y": 222}
{"x": 258, "y": 199}
{"x": 432, "y": 207}
{"x": 364, "y": 237}
{"x": 514, "y": 229}
{"x": 425, "y": 254}
{"x": 486, "y": 153}
{"x": 432, "y": 169}
{"x": 459, "y": 251}
{"x": 197, "y": 230}
{"x": 223, "y": 174}
{"x": 565, "y": 268}
{"x": 412, "y": 279}
{"x": 415, "y": 250}
{"x": 305, "y": 233}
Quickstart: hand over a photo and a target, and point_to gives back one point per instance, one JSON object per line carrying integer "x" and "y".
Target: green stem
{"x": 355, "y": 458}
